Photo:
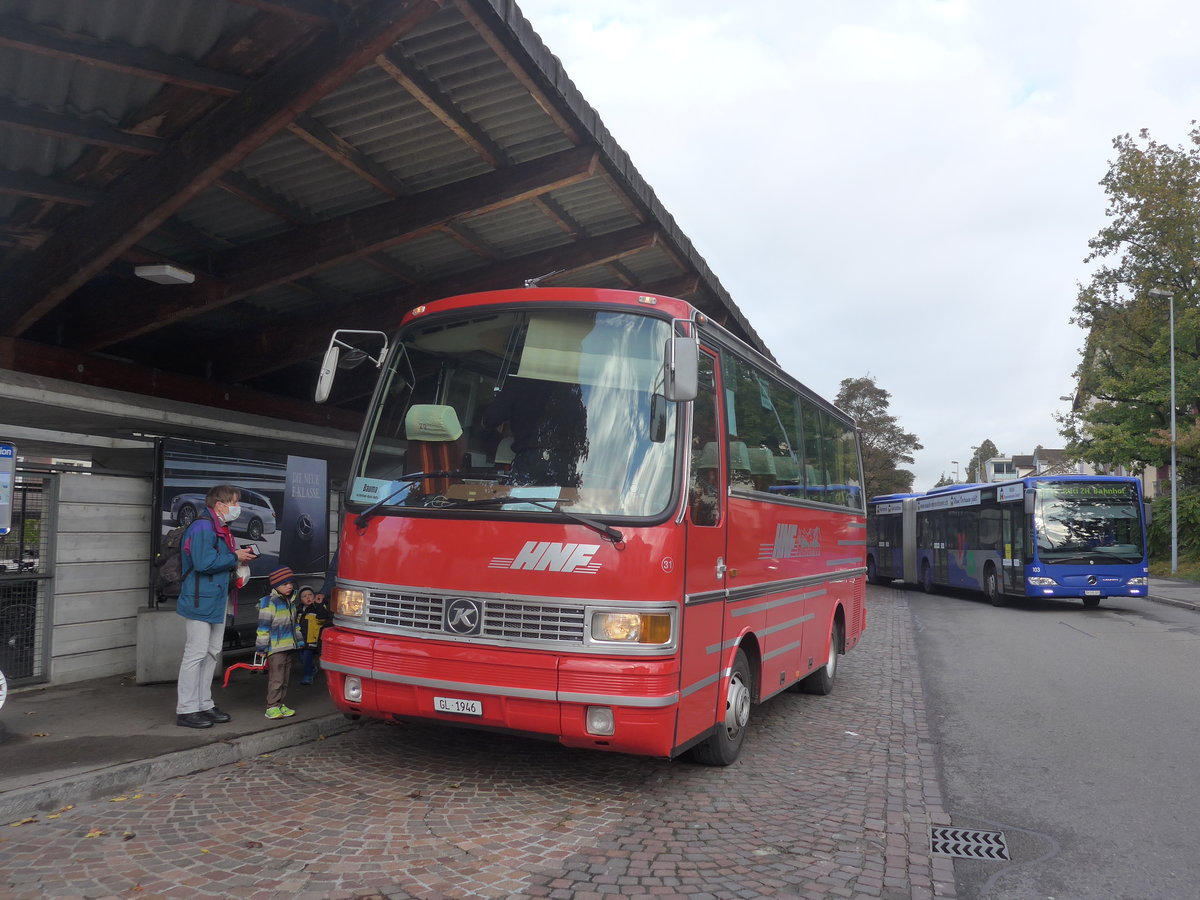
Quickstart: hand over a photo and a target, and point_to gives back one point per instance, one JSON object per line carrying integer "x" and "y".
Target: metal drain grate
{"x": 967, "y": 843}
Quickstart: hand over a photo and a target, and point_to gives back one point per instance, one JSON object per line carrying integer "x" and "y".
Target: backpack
{"x": 169, "y": 562}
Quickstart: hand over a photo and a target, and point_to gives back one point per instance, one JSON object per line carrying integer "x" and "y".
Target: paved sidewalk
{"x": 1176, "y": 592}
{"x": 68, "y": 743}
{"x": 833, "y": 798}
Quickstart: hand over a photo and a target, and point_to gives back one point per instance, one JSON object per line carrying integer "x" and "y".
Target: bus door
{"x": 941, "y": 546}
{"x": 700, "y": 654}
{"x": 1013, "y": 524}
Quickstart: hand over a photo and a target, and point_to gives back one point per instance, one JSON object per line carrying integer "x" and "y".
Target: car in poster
{"x": 257, "y": 518}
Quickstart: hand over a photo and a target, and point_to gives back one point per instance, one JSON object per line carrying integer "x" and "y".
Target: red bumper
{"x": 523, "y": 691}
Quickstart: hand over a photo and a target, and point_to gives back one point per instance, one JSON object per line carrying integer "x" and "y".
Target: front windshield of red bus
{"x": 1082, "y": 521}
{"x": 523, "y": 411}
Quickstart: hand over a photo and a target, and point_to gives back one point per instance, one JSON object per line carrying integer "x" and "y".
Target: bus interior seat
{"x": 762, "y": 467}
{"x": 435, "y": 443}
{"x": 504, "y": 452}
{"x": 739, "y": 463}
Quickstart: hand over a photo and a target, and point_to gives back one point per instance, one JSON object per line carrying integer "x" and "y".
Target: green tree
{"x": 943, "y": 481}
{"x": 985, "y": 451}
{"x": 1147, "y": 257}
{"x": 884, "y": 443}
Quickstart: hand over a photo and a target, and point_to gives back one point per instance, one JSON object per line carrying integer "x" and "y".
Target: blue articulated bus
{"x": 1077, "y": 536}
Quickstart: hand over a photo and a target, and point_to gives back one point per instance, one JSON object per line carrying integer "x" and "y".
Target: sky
{"x": 901, "y": 189}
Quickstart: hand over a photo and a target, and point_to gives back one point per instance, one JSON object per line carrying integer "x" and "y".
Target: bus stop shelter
{"x": 195, "y": 193}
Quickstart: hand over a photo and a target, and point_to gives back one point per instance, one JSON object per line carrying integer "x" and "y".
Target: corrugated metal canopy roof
{"x": 317, "y": 164}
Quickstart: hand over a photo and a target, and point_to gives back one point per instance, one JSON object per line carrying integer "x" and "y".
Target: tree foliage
{"x": 1147, "y": 257}
{"x": 985, "y": 451}
{"x": 885, "y": 445}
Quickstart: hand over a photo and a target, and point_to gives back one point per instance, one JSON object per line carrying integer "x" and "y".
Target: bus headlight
{"x": 1138, "y": 582}
{"x": 1041, "y": 581}
{"x": 347, "y": 602}
{"x": 631, "y": 627}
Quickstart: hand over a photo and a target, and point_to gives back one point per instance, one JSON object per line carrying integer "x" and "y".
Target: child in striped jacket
{"x": 276, "y": 638}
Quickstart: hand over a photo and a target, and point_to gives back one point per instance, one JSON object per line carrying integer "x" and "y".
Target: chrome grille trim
{"x": 516, "y": 621}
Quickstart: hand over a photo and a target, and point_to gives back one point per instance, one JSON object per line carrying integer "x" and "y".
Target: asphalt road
{"x": 1074, "y": 732}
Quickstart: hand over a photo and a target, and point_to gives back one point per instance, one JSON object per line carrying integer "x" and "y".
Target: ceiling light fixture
{"x": 164, "y": 274}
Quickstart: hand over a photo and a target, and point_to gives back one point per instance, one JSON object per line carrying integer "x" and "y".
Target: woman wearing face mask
{"x": 206, "y": 597}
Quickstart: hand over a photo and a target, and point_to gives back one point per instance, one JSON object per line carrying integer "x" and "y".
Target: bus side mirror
{"x": 1030, "y": 496}
{"x": 328, "y": 370}
{"x": 682, "y": 375}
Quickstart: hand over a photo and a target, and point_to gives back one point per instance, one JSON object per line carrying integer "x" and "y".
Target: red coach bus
{"x": 593, "y": 516}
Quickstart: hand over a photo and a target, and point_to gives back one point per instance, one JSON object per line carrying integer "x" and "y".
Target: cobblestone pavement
{"x": 833, "y": 797}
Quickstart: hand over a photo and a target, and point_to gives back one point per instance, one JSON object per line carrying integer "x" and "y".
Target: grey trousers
{"x": 201, "y": 650}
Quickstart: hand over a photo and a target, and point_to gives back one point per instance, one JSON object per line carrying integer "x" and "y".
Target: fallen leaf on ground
{"x": 25, "y": 821}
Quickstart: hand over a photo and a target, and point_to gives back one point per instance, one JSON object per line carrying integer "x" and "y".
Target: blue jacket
{"x": 207, "y": 565}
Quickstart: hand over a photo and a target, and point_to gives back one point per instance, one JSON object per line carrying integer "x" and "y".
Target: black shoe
{"x": 215, "y": 716}
{"x": 193, "y": 720}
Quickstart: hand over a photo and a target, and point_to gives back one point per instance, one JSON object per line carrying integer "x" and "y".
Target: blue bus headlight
{"x": 1040, "y": 581}
{"x": 1138, "y": 582}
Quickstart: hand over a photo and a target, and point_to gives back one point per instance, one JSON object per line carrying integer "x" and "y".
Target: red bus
{"x": 593, "y": 516}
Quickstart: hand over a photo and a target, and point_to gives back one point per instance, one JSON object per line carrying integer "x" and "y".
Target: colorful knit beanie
{"x": 282, "y": 575}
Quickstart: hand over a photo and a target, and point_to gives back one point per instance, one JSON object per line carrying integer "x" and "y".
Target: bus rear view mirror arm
{"x": 333, "y": 360}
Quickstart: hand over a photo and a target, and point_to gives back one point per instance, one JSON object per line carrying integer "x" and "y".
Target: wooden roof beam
{"x": 303, "y": 10}
{"x": 142, "y": 62}
{"x": 278, "y": 260}
{"x": 138, "y": 202}
{"x": 527, "y": 81}
{"x": 288, "y": 343}
{"x": 405, "y": 73}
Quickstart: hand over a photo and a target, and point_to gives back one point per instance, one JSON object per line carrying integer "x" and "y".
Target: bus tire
{"x": 991, "y": 586}
{"x": 821, "y": 681}
{"x": 1091, "y": 602}
{"x": 926, "y": 578}
{"x": 724, "y": 745}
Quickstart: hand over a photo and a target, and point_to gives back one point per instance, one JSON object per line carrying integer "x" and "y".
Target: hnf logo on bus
{"x": 548, "y": 556}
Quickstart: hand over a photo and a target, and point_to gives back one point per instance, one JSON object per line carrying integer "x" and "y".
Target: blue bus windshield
{"x": 1083, "y": 522}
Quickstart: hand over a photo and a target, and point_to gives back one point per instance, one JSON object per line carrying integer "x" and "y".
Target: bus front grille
{"x": 502, "y": 620}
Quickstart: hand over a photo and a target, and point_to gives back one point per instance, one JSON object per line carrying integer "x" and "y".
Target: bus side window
{"x": 704, "y": 481}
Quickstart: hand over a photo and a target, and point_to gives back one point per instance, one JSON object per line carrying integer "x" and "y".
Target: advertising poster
{"x": 284, "y": 501}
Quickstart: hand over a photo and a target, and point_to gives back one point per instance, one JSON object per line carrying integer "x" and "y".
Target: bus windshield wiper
{"x": 365, "y": 516}
{"x": 548, "y": 504}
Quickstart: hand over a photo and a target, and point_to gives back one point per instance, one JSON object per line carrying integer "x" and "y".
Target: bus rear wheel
{"x": 725, "y": 744}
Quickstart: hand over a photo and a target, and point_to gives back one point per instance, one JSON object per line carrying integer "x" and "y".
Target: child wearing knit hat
{"x": 276, "y": 638}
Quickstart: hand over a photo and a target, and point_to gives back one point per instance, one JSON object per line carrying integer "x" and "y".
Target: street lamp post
{"x": 1162, "y": 292}
{"x": 954, "y": 462}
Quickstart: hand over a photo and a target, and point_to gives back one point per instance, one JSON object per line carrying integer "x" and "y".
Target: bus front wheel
{"x": 821, "y": 681}
{"x": 724, "y": 745}
{"x": 991, "y": 587}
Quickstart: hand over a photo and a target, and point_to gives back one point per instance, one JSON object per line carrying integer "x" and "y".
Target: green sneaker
{"x": 286, "y": 710}
{"x": 276, "y": 712}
